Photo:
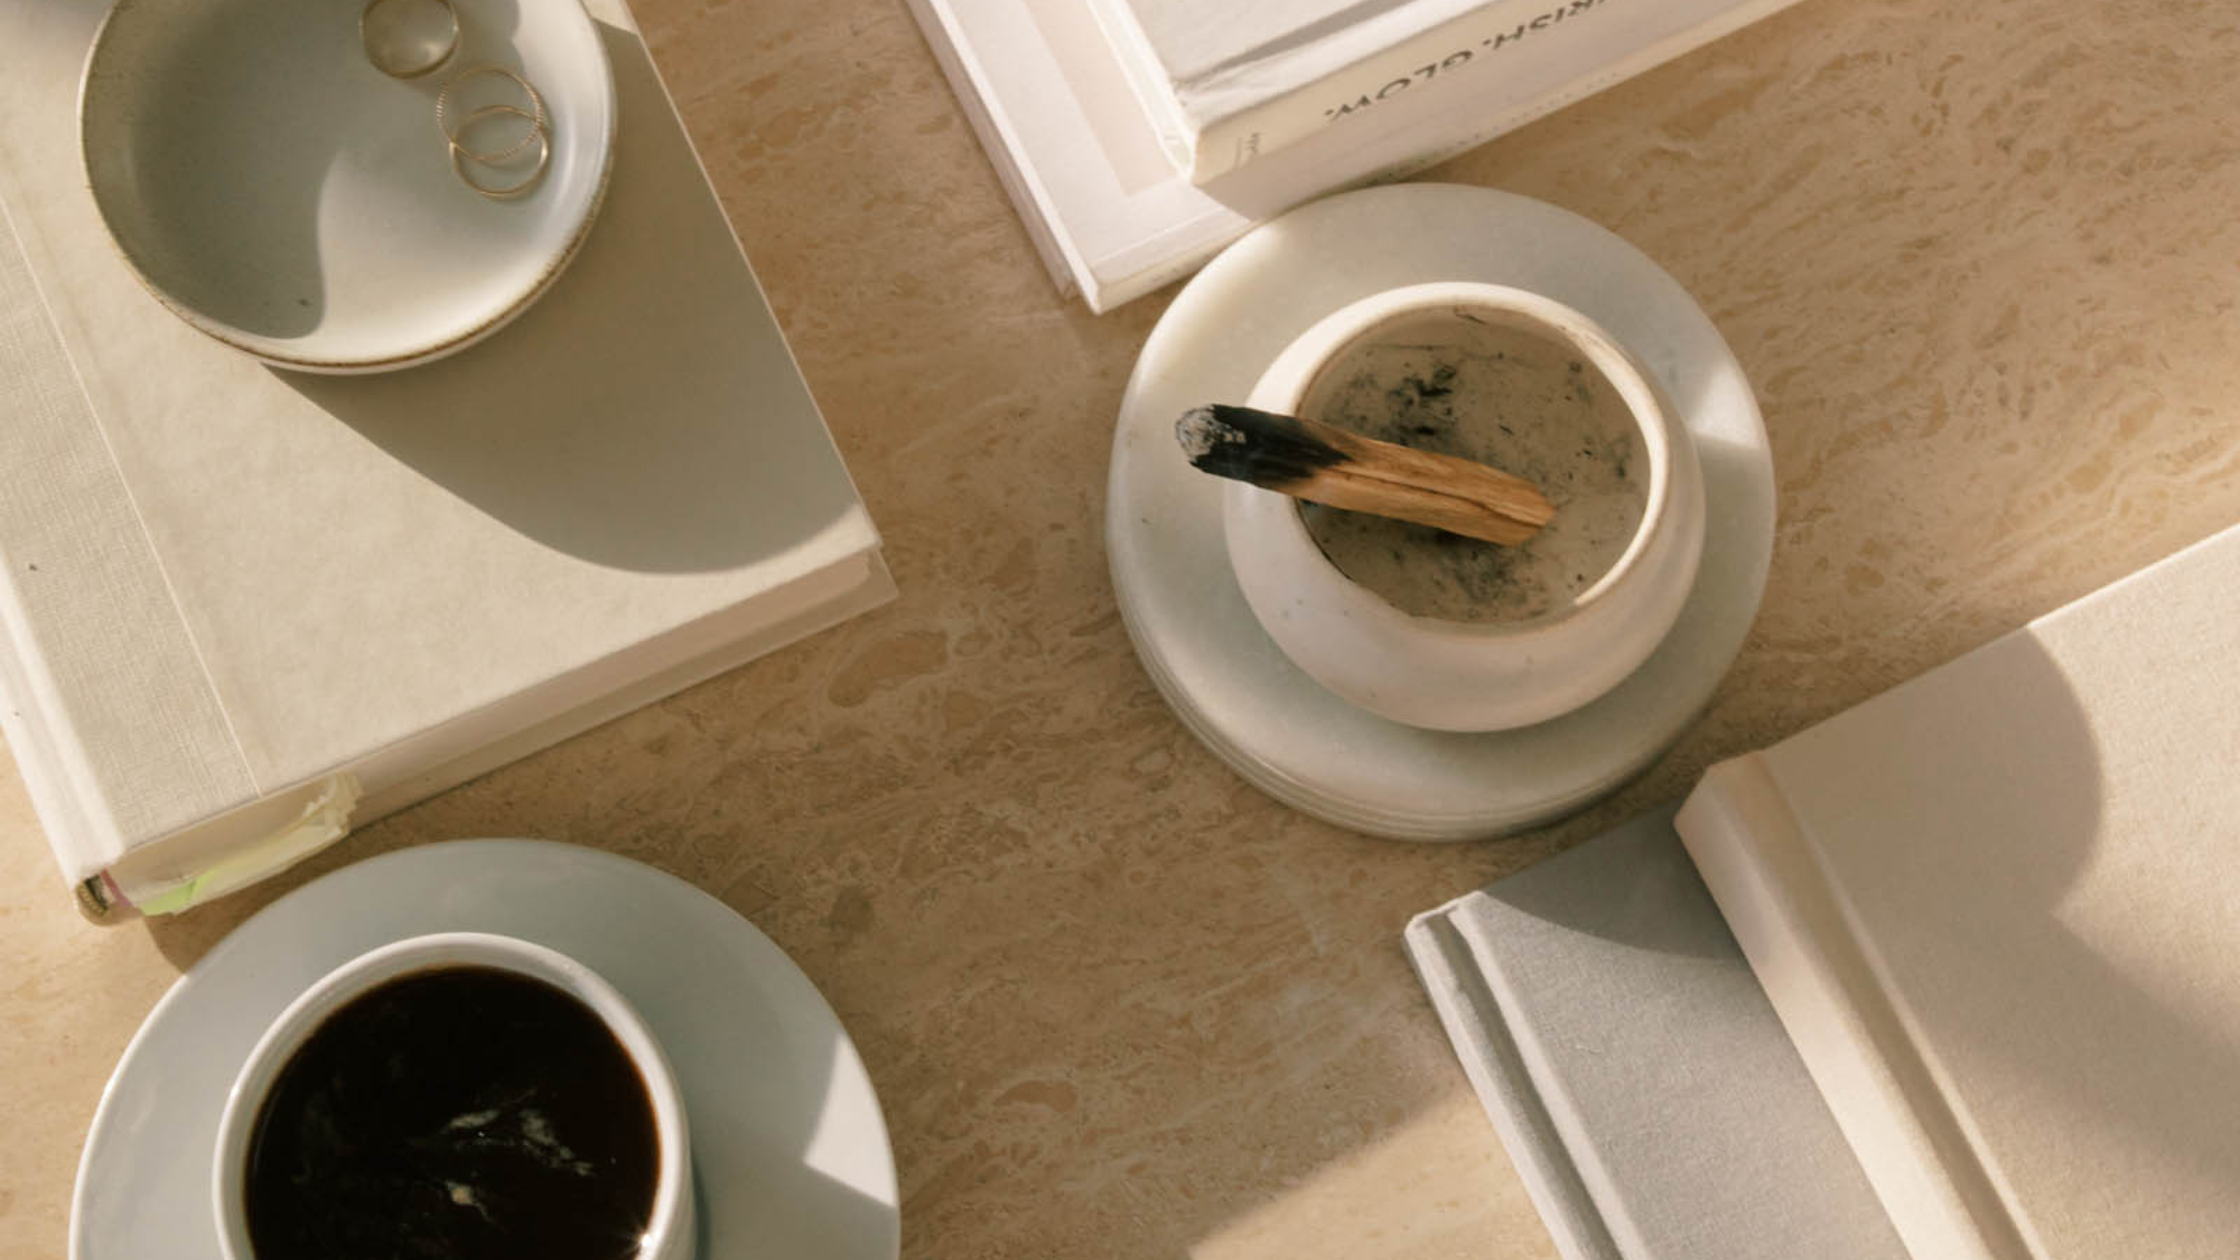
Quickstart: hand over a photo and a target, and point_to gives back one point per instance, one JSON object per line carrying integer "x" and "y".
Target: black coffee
{"x": 465, "y": 1113}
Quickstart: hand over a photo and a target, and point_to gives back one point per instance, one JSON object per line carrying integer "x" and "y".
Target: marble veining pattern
{"x": 1980, "y": 260}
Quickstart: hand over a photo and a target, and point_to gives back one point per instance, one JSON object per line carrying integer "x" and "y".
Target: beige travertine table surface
{"x": 1981, "y": 261}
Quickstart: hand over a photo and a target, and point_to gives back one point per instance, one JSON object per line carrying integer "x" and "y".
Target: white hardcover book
{"x": 241, "y": 609}
{"x": 1114, "y": 218}
{"x": 1998, "y": 911}
{"x": 1228, "y": 84}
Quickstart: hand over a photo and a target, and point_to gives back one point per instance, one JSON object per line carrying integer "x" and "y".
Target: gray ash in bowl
{"x": 1453, "y": 383}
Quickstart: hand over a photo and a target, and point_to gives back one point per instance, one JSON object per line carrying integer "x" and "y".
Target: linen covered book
{"x": 1998, "y": 911}
{"x": 1644, "y": 1090}
{"x": 241, "y": 609}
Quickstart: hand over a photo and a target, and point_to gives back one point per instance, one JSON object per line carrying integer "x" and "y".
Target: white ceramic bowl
{"x": 1468, "y": 676}
{"x": 277, "y": 192}
{"x": 669, "y": 1232}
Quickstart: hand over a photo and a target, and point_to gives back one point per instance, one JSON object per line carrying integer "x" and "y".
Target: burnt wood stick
{"x": 1309, "y": 460}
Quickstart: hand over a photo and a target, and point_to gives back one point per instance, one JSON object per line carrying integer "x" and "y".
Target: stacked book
{"x": 243, "y": 610}
{"x": 1137, "y": 137}
{"x": 1959, "y": 980}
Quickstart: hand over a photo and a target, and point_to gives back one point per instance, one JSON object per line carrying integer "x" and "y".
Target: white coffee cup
{"x": 669, "y": 1229}
{"x": 1451, "y": 675}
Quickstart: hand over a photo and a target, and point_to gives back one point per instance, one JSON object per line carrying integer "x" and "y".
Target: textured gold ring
{"x": 541, "y": 122}
{"x": 460, "y": 155}
{"x": 405, "y": 39}
{"x": 501, "y": 156}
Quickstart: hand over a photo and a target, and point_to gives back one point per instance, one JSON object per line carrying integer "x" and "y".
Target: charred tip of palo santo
{"x": 1244, "y": 444}
{"x": 1313, "y": 461}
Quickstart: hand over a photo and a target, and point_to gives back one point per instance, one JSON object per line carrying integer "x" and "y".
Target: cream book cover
{"x": 242, "y": 608}
{"x": 1998, "y": 911}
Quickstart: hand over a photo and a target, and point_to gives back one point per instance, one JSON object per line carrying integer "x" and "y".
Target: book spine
{"x": 1440, "y": 60}
{"x": 1454, "y": 971}
{"x": 117, "y": 729}
{"x": 35, "y": 385}
{"x": 70, "y": 578}
{"x": 1751, "y": 850}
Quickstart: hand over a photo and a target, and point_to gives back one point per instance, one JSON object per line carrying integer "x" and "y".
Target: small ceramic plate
{"x": 1224, "y": 676}
{"x": 789, "y": 1152}
{"x": 279, "y": 193}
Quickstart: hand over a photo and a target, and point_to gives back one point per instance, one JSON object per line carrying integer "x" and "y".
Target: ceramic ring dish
{"x": 1457, "y": 675}
{"x": 277, "y": 191}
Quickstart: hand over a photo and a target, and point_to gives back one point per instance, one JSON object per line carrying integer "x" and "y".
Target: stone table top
{"x": 1981, "y": 262}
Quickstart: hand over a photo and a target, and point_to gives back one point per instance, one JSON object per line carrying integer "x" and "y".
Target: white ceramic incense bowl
{"x": 1455, "y": 675}
{"x": 278, "y": 192}
{"x": 669, "y": 1231}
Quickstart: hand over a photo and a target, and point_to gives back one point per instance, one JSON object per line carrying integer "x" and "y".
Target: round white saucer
{"x": 1222, "y": 674}
{"x": 790, "y": 1155}
{"x": 277, "y": 192}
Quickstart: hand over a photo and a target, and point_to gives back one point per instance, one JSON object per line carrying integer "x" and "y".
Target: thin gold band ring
{"x": 542, "y": 122}
{"x": 544, "y": 155}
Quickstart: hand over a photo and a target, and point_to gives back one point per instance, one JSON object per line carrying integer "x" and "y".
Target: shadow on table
{"x": 640, "y": 415}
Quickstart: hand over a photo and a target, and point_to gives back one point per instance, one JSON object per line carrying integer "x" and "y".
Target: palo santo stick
{"x": 1313, "y": 461}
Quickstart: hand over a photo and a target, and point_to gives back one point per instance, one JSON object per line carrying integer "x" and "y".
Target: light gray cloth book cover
{"x": 1634, "y": 1069}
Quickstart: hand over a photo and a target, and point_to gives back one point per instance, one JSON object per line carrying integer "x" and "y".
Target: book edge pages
{"x": 1472, "y": 1016}
{"x": 1748, "y": 845}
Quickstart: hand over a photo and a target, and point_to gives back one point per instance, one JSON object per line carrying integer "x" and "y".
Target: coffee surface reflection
{"x": 458, "y": 1112}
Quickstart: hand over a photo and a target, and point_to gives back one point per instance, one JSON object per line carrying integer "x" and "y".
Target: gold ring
{"x": 495, "y": 157}
{"x": 541, "y": 122}
{"x": 402, "y": 38}
{"x": 544, "y": 155}
{"x": 536, "y": 130}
